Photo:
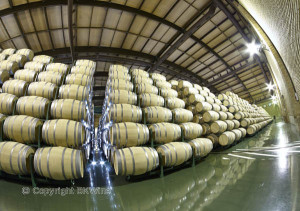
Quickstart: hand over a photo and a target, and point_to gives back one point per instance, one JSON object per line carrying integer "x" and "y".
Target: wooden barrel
{"x": 146, "y": 88}
{"x": 21, "y": 128}
{"x": 198, "y": 87}
{"x": 222, "y": 97}
{"x": 68, "y": 109}
{"x": 175, "y": 153}
{"x": 197, "y": 118}
{"x": 25, "y": 75}
{"x": 35, "y": 66}
{"x": 216, "y": 107}
{"x": 33, "y": 106}
{"x": 14, "y": 158}
{"x": 156, "y": 114}
{"x": 128, "y": 134}
{"x": 203, "y": 107}
{"x": 42, "y": 89}
{"x": 19, "y": 59}
{"x": 230, "y": 116}
{"x": 59, "y": 163}
{"x": 236, "y": 123}
{"x": 125, "y": 113}
{"x": 211, "y": 116}
{"x": 135, "y": 160}
{"x": 223, "y": 115}
{"x": 173, "y": 102}
{"x": 163, "y": 85}
{"x": 9, "y": 51}
{"x": 85, "y": 62}
{"x": 4, "y": 76}
{"x": 147, "y": 100}
{"x": 139, "y": 72}
{"x": 168, "y": 93}
{"x": 209, "y": 100}
{"x": 217, "y": 101}
{"x": 173, "y": 82}
{"x": 119, "y": 75}
{"x": 203, "y": 93}
{"x": 186, "y": 101}
{"x": 165, "y": 132}
{"x": 60, "y": 68}
{"x": 192, "y": 109}
{"x": 79, "y": 79}
{"x": 122, "y": 97}
{"x": 15, "y": 87}
{"x": 43, "y": 59}
{"x": 73, "y": 91}
{"x": 218, "y": 126}
{"x": 63, "y": 132}
{"x": 230, "y": 124}
{"x": 252, "y": 129}
{"x": 119, "y": 84}
{"x": 182, "y": 84}
{"x": 51, "y": 77}
{"x": 238, "y": 134}
{"x": 142, "y": 80}
{"x": 226, "y": 138}
{"x": 85, "y": 70}
{"x": 212, "y": 95}
{"x": 9, "y": 66}
{"x": 7, "y": 103}
{"x": 206, "y": 129}
{"x": 227, "y": 103}
{"x": 233, "y": 108}
{"x": 214, "y": 139}
{"x": 190, "y": 91}
{"x": 2, "y": 56}
{"x": 181, "y": 115}
{"x": 245, "y": 122}
{"x": 28, "y": 53}
{"x": 224, "y": 108}
{"x": 201, "y": 146}
{"x": 191, "y": 130}
{"x": 118, "y": 68}
{"x": 196, "y": 98}
{"x": 158, "y": 77}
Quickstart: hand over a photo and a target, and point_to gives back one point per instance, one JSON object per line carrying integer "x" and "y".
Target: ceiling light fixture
{"x": 253, "y": 48}
{"x": 270, "y": 86}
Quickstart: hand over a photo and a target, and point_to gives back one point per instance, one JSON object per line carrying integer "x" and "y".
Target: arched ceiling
{"x": 203, "y": 41}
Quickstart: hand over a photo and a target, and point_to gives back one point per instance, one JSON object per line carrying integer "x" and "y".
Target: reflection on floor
{"x": 260, "y": 173}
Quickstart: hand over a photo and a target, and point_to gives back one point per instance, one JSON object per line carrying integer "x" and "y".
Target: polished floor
{"x": 260, "y": 173}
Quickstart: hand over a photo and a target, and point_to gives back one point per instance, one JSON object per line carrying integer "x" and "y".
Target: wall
{"x": 271, "y": 108}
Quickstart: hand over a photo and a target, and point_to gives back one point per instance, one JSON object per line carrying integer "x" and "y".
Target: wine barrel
{"x": 119, "y": 75}
{"x": 238, "y": 134}
{"x": 73, "y": 91}
{"x": 79, "y": 79}
{"x": 163, "y": 85}
{"x": 118, "y": 68}
{"x": 43, "y": 59}
{"x": 7, "y": 103}
{"x": 21, "y": 128}
{"x": 14, "y": 158}
{"x": 63, "y": 132}
{"x": 233, "y": 108}
{"x": 212, "y": 95}
{"x": 230, "y": 124}
{"x": 182, "y": 84}
{"x": 181, "y": 115}
{"x": 128, "y": 134}
{"x": 223, "y": 115}
{"x": 60, "y": 68}
{"x": 84, "y": 70}
{"x": 209, "y": 100}
{"x": 35, "y": 66}
{"x": 86, "y": 62}
{"x": 252, "y": 129}
{"x": 122, "y": 97}
{"x": 25, "y": 75}
{"x": 125, "y": 113}
{"x": 28, "y": 53}
{"x": 142, "y": 80}
{"x": 9, "y": 51}
{"x": 214, "y": 139}
{"x": 42, "y": 89}
{"x": 197, "y": 118}
{"x": 201, "y": 146}
{"x": 156, "y": 114}
{"x": 192, "y": 109}
{"x": 203, "y": 93}
{"x": 168, "y": 93}
{"x": 239, "y": 115}
{"x": 9, "y": 66}
{"x": 175, "y": 153}
{"x": 196, "y": 98}
{"x": 224, "y": 108}
{"x": 198, "y": 87}
{"x": 165, "y": 132}
{"x": 139, "y": 72}
{"x": 230, "y": 116}
{"x": 15, "y": 87}
{"x": 206, "y": 129}
{"x": 119, "y": 84}
{"x": 211, "y": 116}
{"x": 218, "y": 126}
{"x": 190, "y": 91}
{"x": 51, "y": 77}
{"x": 2, "y": 56}
{"x": 226, "y": 138}
{"x": 146, "y": 88}
{"x": 158, "y": 77}
{"x": 222, "y": 97}
{"x": 59, "y": 163}
{"x": 227, "y": 103}
{"x": 135, "y": 160}
{"x": 68, "y": 109}
{"x": 216, "y": 107}
{"x": 33, "y": 106}
{"x": 19, "y": 59}
{"x": 173, "y": 82}
{"x": 147, "y": 100}
{"x": 173, "y": 102}
{"x": 244, "y": 131}
{"x": 4, "y": 76}
{"x": 236, "y": 123}
{"x": 217, "y": 101}
{"x": 191, "y": 130}
{"x": 203, "y": 107}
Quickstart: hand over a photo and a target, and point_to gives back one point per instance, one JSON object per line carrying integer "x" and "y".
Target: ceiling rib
{"x": 70, "y": 28}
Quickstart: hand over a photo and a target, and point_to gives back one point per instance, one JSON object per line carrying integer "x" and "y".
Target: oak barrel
{"x": 201, "y": 146}
{"x": 42, "y": 89}
{"x": 33, "y": 106}
{"x": 25, "y": 75}
{"x": 15, "y": 87}
{"x": 165, "y": 132}
{"x": 68, "y": 109}
{"x": 157, "y": 114}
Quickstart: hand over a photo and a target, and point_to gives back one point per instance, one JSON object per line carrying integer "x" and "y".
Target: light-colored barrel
{"x": 230, "y": 116}
{"x": 244, "y": 131}
{"x": 233, "y": 108}
{"x": 223, "y": 115}
{"x": 33, "y": 106}
{"x": 252, "y": 129}
{"x": 68, "y": 109}
{"x": 125, "y": 113}
{"x": 25, "y": 75}
{"x": 226, "y": 138}
{"x": 217, "y": 101}
{"x": 168, "y": 93}
{"x": 15, "y": 87}
{"x": 222, "y": 97}
{"x": 21, "y": 128}
{"x": 2, "y": 56}
{"x": 43, "y": 59}
{"x": 119, "y": 84}
{"x": 63, "y": 132}
{"x": 51, "y": 77}
{"x": 218, "y": 126}
{"x": 165, "y": 132}
{"x": 191, "y": 130}
{"x": 206, "y": 129}
{"x": 203, "y": 93}
{"x": 28, "y": 53}
{"x": 173, "y": 102}
{"x": 61, "y": 68}
{"x": 85, "y": 70}
{"x": 135, "y": 160}
{"x": 156, "y": 114}
{"x": 209, "y": 100}
{"x": 216, "y": 107}
{"x": 238, "y": 134}
{"x": 79, "y": 79}
{"x": 146, "y": 88}
{"x": 128, "y": 134}
{"x": 224, "y": 108}
{"x": 214, "y": 139}
{"x": 119, "y": 75}
{"x": 246, "y": 122}
{"x": 182, "y": 84}
{"x": 139, "y": 72}
{"x": 85, "y": 62}
{"x": 175, "y": 153}
{"x": 190, "y": 91}
{"x": 197, "y": 118}
{"x": 173, "y": 82}
{"x": 203, "y": 107}
{"x": 158, "y": 77}
{"x": 163, "y": 84}
{"x": 42, "y": 89}
{"x": 19, "y": 59}
{"x": 230, "y": 124}
{"x": 211, "y": 116}
{"x": 59, "y": 163}
{"x": 9, "y": 51}
{"x": 236, "y": 123}
{"x": 73, "y": 91}
{"x": 181, "y": 115}
{"x": 4, "y": 76}
{"x": 35, "y": 66}
{"x": 198, "y": 87}
{"x": 118, "y": 68}
{"x": 196, "y": 98}
{"x": 122, "y": 97}
{"x": 9, "y": 66}
{"x": 192, "y": 109}
{"x": 147, "y": 100}
{"x": 201, "y": 146}
{"x": 7, "y": 103}
{"x": 142, "y": 80}
{"x": 14, "y": 158}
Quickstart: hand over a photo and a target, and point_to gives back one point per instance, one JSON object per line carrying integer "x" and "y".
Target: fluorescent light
{"x": 253, "y": 48}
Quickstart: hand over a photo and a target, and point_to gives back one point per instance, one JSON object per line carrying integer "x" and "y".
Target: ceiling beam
{"x": 70, "y": 28}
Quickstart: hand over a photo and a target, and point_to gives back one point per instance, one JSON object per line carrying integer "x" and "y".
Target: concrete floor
{"x": 260, "y": 173}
